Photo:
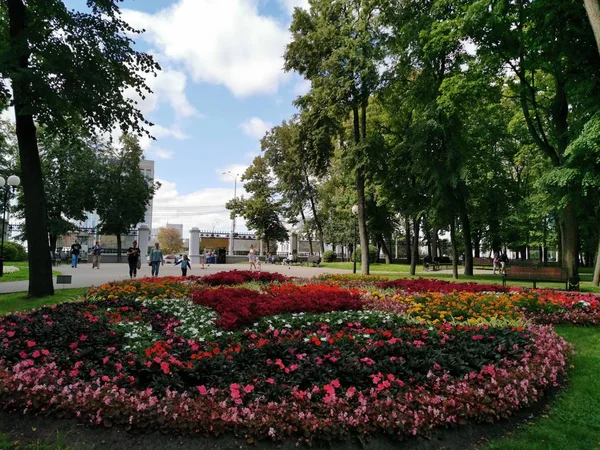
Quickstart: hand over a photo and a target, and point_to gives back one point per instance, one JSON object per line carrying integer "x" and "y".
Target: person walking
{"x": 75, "y": 250}
{"x": 156, "y": 259}
{"x": 252, "y": 257}
{"x": 185, "y": 265}
{"x": 496, "y": 262}
{"x": 133, "y": 259}
{"x": 96, "y": 253}
{"x": 503, "y": 260}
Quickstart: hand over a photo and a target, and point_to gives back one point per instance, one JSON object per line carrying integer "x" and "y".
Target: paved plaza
{"x": 84, "y": 275}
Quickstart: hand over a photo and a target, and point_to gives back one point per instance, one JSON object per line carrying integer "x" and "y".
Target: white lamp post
{"x": 13, "y": 182}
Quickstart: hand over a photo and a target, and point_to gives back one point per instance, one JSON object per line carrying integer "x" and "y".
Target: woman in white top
{"x": 252, "y": 257}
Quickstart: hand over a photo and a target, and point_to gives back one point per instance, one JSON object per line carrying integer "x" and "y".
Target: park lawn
{"x": 22, "y": 274}
{"x": 19, "y": 301}
{"x": 573, "y": 421}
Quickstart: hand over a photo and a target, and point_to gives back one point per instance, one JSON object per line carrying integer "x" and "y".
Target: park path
{"x": 85, "y": 276}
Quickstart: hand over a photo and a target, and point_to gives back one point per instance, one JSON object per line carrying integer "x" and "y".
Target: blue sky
{"x": 222, "y": 86}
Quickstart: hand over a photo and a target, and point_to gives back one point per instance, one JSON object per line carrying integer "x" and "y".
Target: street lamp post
{"x": 355, "y": 213}
{"x": 235, "y": 177}
{"x": 13, "y": 182}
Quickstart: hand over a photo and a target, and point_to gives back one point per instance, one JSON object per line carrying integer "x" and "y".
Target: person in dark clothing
{"x": 75, "y": 250}
{"x": 133, "y": 258}
{"x": 503, "y": 260}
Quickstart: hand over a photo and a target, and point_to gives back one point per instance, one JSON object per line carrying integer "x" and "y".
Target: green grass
{"x": 22, "y": 274}
{"x": 19, "y": 301}
{"x": 6, "y": 443}
{"x": 573, "y": 422}
{"x": 403, "y": 270}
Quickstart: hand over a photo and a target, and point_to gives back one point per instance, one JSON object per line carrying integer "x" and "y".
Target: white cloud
{"x": 159, "y": 153}
{"x": 256, "y": 127}
{"x": 202, "y": 209}
{"x": 167, "y": 86}
{"x": 224, "y": 42}
{"x": 302, "y": 87}
{"x": 289, "y": 5}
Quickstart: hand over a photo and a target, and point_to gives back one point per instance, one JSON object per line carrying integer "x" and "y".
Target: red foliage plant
{"x": 234, "y": 277}
{"x": 238, "y": 307}
{"x": 427, "y": 285}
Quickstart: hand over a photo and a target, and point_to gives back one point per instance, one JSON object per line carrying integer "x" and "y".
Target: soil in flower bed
{"x": 28, "y": 428}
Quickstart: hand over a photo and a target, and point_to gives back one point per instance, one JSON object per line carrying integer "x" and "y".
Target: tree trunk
{"x": 454, "y": 249}
{"x": 596, "y": 279}
{"x": 434, "y": 242}
{"x": 314, "y": 211}
{"x": 385, "y": 249}
{"x": 570, "y": 238}
{"x": 593, "y": 10}
{"x": 407, "y": 240}
{"x": 310, "y": 245}
{"x": 36, "y": 231}
{"x": 477, "y": 243}
{"x": 360, "y": 194}
{"x": 53, "y": 239}
{"x": 466, "y": 227}
{"x": 119, "y": 247}
{"x": 415, "y": 246}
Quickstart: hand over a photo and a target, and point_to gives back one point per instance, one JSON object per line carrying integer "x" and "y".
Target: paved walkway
{"x": 84, "y": 275}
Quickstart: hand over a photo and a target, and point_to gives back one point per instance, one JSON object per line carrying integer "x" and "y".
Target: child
{"x": 258, "y": 265}
{"x": 185, "y": 264}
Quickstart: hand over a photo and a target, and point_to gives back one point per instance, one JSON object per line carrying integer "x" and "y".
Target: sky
{"x": 222, "y": 86}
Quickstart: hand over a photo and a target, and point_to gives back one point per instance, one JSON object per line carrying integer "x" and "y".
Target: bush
{"x": 373, "y": 254}
{"x": 329, "y": 256}
{"x": 14, "y": 252}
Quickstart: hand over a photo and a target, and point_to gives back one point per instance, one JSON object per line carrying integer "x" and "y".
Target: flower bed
{"x": 544, "y": 307}
{"x": 234, "y": 277}
{"x": 309, "y": 363}
{"x": 143, "y": 288}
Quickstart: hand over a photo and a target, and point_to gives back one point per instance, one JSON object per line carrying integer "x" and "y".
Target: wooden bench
{"x": 535, "y": 274}
{"x": 483, "y": 262}
{"x": 430, "y": 265}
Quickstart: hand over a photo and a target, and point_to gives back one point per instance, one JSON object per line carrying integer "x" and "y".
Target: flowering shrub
{"x": 143, "y": 288}
{"x": 234, "y": 277}
{"x": 238, "y": 307}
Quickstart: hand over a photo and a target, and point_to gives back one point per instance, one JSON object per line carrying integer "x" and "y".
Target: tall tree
{"x": 123, "y": 192}
{"x": 261, "y": 209}
{"x": 556, "y": 67}
{"x": 66, "y": 68}
{"x": 336, "y": 45}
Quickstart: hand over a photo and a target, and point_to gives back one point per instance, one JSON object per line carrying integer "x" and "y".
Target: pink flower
{"x": 36, "y": 354}
{"x": 10, "y": 334}
{"x": 105, "y": 359}
{"x": 248, "y": 388}
{"x": 83, "y": 337}
{"x": 31, "y": 344}
{"x": 23, "y": 354}
{"x": 202, "y": 390}
{"x": 73, "y": 345}
{"x": 477, "y": 337}
{"x": 164, "y": 366}
{"x": 335, "y": 383}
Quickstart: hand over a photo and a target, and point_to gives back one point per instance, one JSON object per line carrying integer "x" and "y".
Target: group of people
{"x": 134, "y": 259}
{"x": 76, "y": 252}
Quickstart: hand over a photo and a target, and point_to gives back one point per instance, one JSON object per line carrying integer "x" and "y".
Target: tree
{"x": 286, "y": 150}
{"x": 66, "y": 69}
{"x": 123, "y": 192}
{"x": 593, "y": 11}
{"x": 336, "y": 45}
{"x": 261, "y": 210}
{"x": 170, "y": 240}
{"x": 556, "y": 67}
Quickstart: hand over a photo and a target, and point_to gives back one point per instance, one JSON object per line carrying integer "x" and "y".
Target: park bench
{"x": 535, "y": 274}
{"x": 443, "y": 261}
{"x": 428, "y": 264}
{"x": 315, "y": 260}
{"x": 524, "y": 263}
{"x": 483, "y": 262}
